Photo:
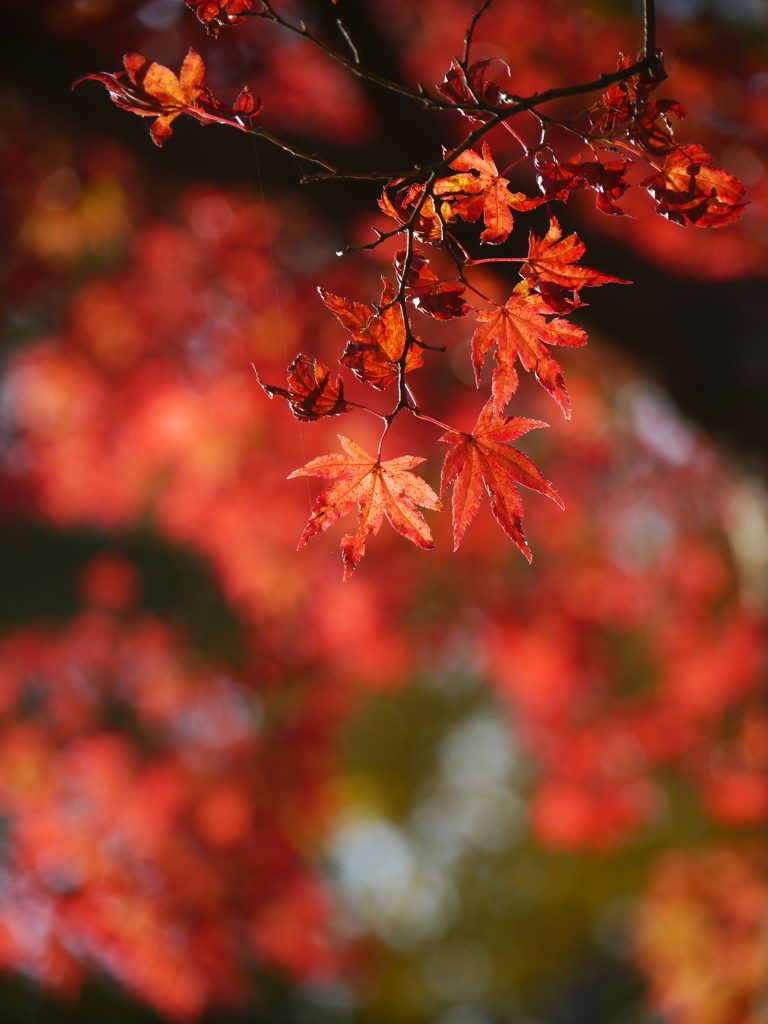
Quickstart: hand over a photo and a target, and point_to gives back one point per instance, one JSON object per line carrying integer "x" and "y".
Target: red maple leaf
{"x": 152, "y": 90}
{"x": 428, "y": 226}
{"x": 379, "y": 340}
{"x": 524, "y": 328}
{"x": 216, "y": 13}
{"x": 379, "y": 489}
{"x": 552, "y": 262}
{"x": 478, "y": 190}
{"x": 607, "y": 179}
{"x": 311, "y": 391}
{"x": 651, "y": 128}
{"x": 688, "y": 191}
{"x": 471, "y": 87}
{"x": 483, "y": 459}
{"x": 623, "y": 102}
{"x": 440, "y": 299}
{"x": 557, "y": 179}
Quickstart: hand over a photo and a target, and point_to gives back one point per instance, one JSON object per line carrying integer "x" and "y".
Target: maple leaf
{"x": 482, "y": 459}
{"x": 524, "y": 328}
{"x": 246, "y": 104}
{"x": 625, "y": 101}
{"x": 557, "y": 179}
{"x": 216, "y": 13}
{"x": 428, "y": 226}
{"x": 477, "y": 190}
{"x": 379, "y": 340}
{"x": 311, "y": 391}
{"x": 468, "y": 88}
{"x": 552, "y": 261}
{"x": 646, "y": 130}
{"x": 152, "y": 90}
{"x": 440, "y": 299}
{"x": 607, "y": 179}
{"x": 688, "y": 191}
{"x": 379, "y": 489}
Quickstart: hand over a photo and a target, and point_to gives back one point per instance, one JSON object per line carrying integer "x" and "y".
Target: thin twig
{"x": 348, "y": 39}
{"x": 649, "y": 25}
{"x": 464, "y": 62}
{"x": 268, "y": 13}
{"x": 500, "y": 117}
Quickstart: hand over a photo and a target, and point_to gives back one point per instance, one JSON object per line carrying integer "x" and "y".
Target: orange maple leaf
{"x": 379, "y": 489}
{"x": 152, "y": 90}
{"x": 379, "y": 340}
{"x": 477, "y": 190}
{"x": 552, "y": 260}
{"x": 522, "y": 328}
{"x": 483, "y": 459}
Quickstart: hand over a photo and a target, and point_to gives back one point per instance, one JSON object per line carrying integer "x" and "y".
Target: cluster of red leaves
{"x": 143, "y": 389}
{"x": 148, "y": 388}
{"x": 384, "y": 348}
{"x": 686, "y": 188}
{"x": 718, "y": 76}
{"x": 170, "y": 861}
{"x": 215, "y": 14}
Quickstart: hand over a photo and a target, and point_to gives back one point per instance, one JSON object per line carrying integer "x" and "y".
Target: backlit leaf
{"x": 311, "y": 391}
{"x": 477, "y": 190}
{"x": 523, "y": 328}
{"x": 482, "y": 458}
{"x": 379, "y": 489}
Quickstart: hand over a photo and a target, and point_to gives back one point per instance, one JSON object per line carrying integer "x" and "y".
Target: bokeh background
{"x": 458, "y": 789}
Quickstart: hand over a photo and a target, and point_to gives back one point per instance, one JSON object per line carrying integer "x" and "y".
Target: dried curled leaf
{"x": 379, "y": 489}
{"x": 688, "y": 191}
{"x": 215, "y": 14}
{"x": 428, "y": 226}
{"x": 442, "y": 300}
{"x": 379, "y": 340}
{"x": 557, "y": 179}
{"x": 624, "y": 103}
{"x": 482, "y": 459}
{"x": 466, "y": 89}
{"x": 311, "y": 391}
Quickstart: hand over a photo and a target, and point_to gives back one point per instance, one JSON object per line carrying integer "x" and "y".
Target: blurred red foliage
{"x": 149, "y": 822}
{"x": 701, "y": 936}
{"x": 163, "y": 815}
